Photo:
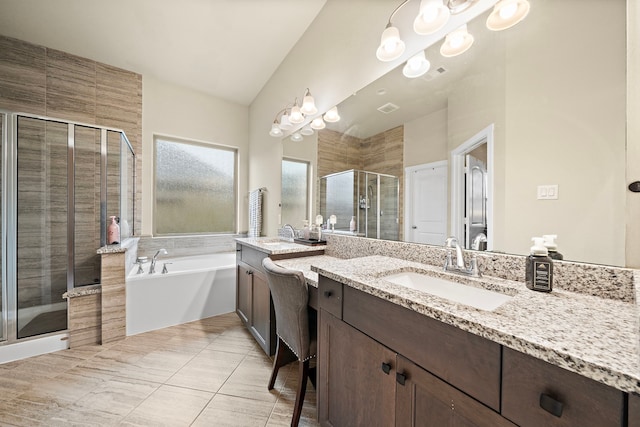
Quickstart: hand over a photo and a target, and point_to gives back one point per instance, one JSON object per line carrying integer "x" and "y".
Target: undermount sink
{"x": 457, "y": 292}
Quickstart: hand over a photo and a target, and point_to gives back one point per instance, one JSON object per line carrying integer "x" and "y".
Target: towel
{"x": 255, "y": 213}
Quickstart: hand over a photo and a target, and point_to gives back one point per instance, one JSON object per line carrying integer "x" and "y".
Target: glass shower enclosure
{"x": 371, "y": 198}
{"x": 60, "y": 182}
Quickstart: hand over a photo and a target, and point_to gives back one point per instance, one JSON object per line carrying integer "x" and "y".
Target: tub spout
{"x": 152, "y": 268}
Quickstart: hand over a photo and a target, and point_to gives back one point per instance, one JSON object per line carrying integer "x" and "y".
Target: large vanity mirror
{"x": 547, "y": 97}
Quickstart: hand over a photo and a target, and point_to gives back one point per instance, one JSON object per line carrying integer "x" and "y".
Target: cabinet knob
{"x": 551, "y": 405}
{"x": 327, "y": 294}
{"x": 386, "y": 368}
{"x": 400, "y": 378}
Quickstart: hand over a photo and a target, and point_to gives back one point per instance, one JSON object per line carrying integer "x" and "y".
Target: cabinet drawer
{"x": 466, "y": 361}
{"x": 252, "y": 257}
{"x": 533, "y": 390}
{"x": 330, "y": 296}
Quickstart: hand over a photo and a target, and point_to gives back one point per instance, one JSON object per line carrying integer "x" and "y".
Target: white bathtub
{"x": 194, "y": 288}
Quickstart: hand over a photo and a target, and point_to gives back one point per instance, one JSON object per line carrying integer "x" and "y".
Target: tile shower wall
{"x": 381, "y": 153}
{"x": 39, "y": 80}
{"x": 42, "y": 81}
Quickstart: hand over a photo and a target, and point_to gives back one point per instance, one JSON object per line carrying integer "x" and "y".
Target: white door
{"x": 428, "y": 199}
{"x": 476, "y": 199}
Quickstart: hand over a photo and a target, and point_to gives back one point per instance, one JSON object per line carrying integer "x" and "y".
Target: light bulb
{"x": 318, "y": 123}
{"x": 332, "y": 115}
{"x": 391, "y": 47}
{"x": 275, "y": 130}
{"x": 506, "y": 12}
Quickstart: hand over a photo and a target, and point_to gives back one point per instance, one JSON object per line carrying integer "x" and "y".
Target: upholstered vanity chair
{"x": 295, "y": 327}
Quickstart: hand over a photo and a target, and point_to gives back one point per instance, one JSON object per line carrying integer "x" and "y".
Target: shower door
{"x": 42, "y": 233}
{"x": 3, "y": 291}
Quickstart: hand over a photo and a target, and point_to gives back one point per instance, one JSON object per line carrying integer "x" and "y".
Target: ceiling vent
{"x": 388, "y": 108}
{"x": 435, "y": 72}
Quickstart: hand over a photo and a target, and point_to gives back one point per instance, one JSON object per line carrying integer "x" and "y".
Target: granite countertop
{"x": 304, "y": 264}
{"x": 275, "y": 246}
{"x": 596, "y": 337}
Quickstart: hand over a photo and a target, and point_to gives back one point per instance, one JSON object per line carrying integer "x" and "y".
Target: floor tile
{"x": 203, "y": 373}
{"x": 169, "y": 406}
{"x": 226, "y": 411}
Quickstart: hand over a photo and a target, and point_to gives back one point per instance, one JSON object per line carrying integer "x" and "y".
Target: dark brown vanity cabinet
{"x": 366, "y": 376}
{"x": 356, "y": 378}
{"x": 536, "y": 393}
{"x": 253, "y": 298}
{"x": 634, "y": 410}
{"x": 253, "y": 304}
{"x": 422, "y": 399}
{"x": 382, "y": 364}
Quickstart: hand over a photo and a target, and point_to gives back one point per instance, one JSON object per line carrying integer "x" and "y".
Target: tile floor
{"x": 204, "y": 373}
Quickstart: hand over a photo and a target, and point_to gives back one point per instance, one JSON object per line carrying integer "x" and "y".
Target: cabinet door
{"x": 634, "y": 410}
{"x": 353, "y": 387}
{"x": 243, "y": 294}
{"x": 261, "y": 313}
{"x": 424, "y": 400}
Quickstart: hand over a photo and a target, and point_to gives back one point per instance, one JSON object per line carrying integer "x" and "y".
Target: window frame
{"x": 207, "y": 144}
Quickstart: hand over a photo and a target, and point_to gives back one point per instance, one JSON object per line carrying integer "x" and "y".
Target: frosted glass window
{"x": 195, "y": 188}
{"x": 295, "y": 192}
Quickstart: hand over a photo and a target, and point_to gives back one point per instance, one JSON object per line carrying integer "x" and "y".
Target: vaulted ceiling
{"x": 226, "y": 48}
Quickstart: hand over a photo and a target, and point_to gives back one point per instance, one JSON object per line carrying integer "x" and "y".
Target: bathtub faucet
{"x": 152, "y": 269}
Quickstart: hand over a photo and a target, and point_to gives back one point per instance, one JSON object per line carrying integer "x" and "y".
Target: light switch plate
{"x": 548, "y": 192}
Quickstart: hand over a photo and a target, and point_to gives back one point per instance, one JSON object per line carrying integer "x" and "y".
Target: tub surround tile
{"x": 113, "y": 297}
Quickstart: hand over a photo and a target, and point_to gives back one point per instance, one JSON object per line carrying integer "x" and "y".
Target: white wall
{"x": 172, "y": 110}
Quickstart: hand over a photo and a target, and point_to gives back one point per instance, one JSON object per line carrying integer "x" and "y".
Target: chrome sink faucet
{"x": 152, "y": 268}
{"x": 291, "y": 229}
{"x": 459, "y": 267}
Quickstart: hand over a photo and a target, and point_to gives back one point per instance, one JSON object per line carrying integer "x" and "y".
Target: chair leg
{"x": 277, "y": 363}
{"x": 283, "y": 357}
{"x": 303, "y": 375}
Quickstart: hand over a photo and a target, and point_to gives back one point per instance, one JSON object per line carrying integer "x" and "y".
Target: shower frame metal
{"x": 10, "y": 215}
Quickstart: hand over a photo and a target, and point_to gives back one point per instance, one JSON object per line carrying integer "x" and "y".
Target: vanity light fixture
{"x": 296, "y": 116}
{"x": 308, "y": 104}
{"x": 416, "y": 66}
{"x": 296, "y": 137}
{"x": 306, "y": 130}
{"x": 433, "y": 15}
{"x": 456, "y": 42}
{"x": 507, "y": 13}
{"x": 332, "y": 115}
{"x": 318, "y": 123}
{"x": 275, "y": 129}
{"x": 285, "y": 124}
{"x": 391, "y": 46}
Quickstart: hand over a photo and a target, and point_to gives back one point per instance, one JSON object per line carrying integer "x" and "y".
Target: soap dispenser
{"x": 539, "y": 271}
{"x": 551, "y": 245}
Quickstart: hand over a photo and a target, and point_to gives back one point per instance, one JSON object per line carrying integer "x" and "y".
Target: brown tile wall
{"x": 381, "y": 153}
{"x": 39, "y": 80}
{"x": 85, "y": 316}
{"x": 113, "y": 301}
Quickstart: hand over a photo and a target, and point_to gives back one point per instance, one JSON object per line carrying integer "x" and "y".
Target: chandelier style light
{"x": 295, "y": 114}
{"x": 432, "y": 16}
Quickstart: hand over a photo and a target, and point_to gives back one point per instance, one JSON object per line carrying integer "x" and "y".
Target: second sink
{"x": 482, "y": 299}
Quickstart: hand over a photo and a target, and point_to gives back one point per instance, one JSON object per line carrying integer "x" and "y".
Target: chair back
{"x": 290, "y": 298}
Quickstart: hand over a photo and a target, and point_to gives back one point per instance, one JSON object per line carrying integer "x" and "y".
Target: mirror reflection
{"x": 535, "y": 115}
